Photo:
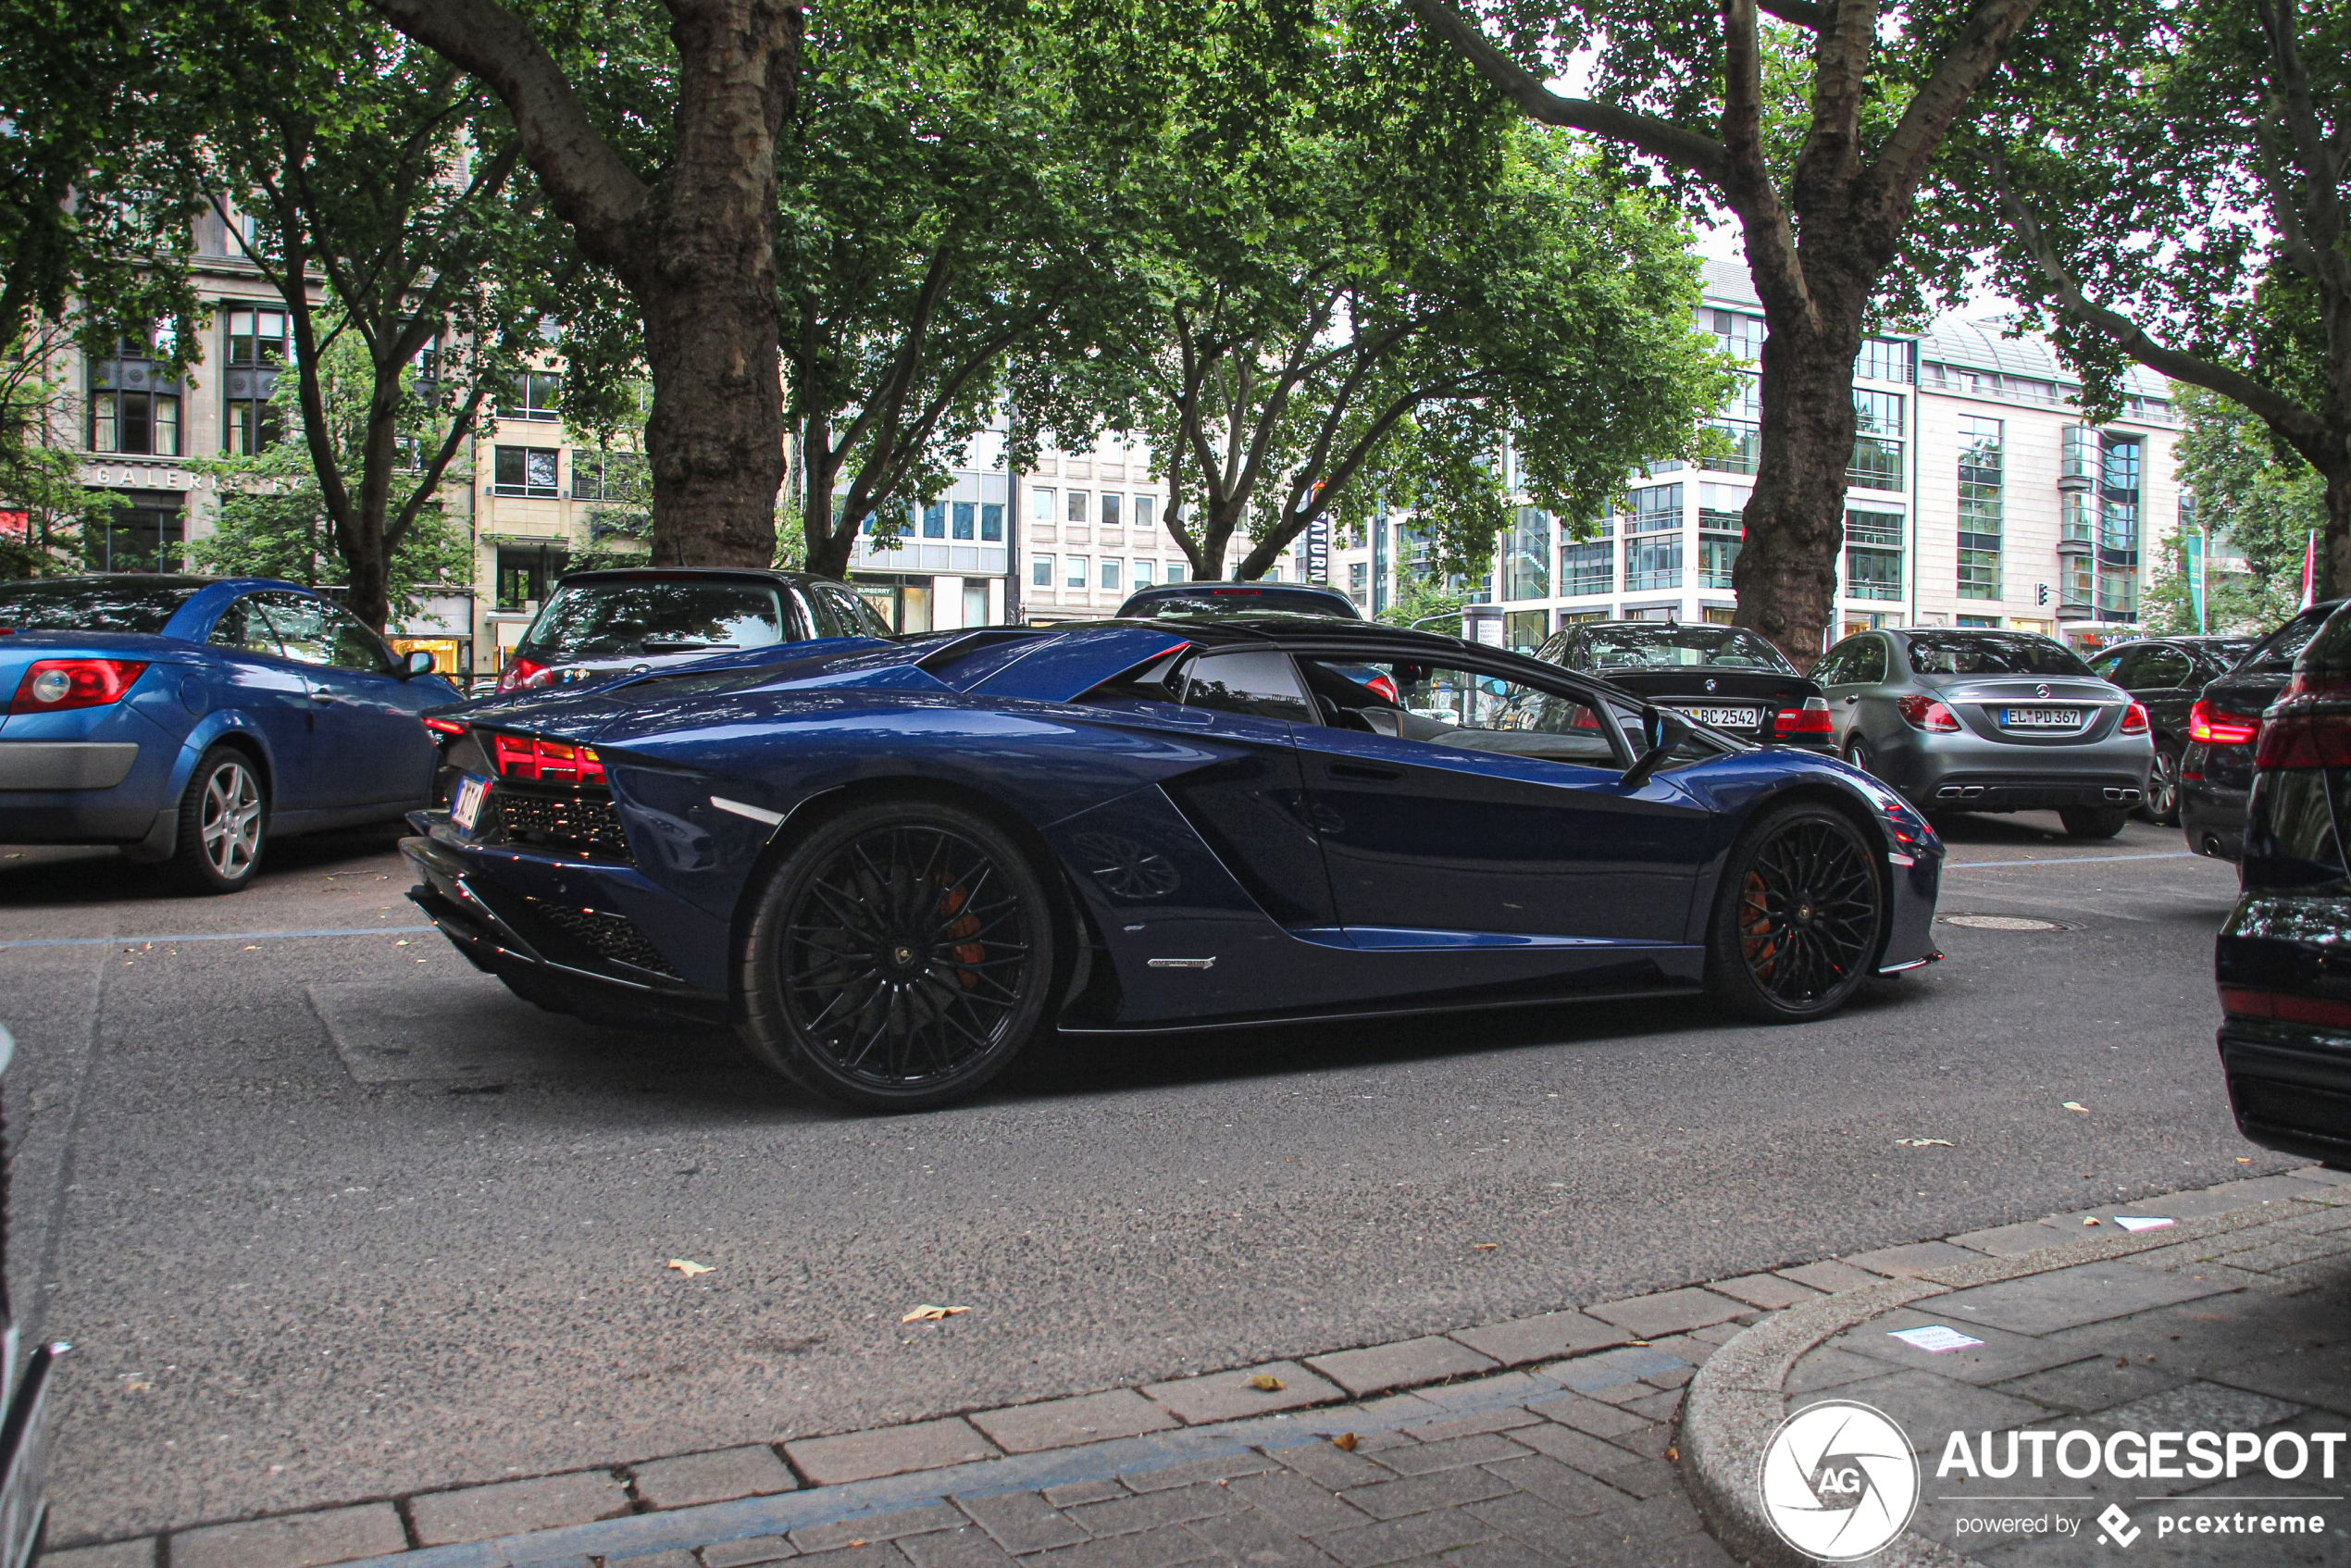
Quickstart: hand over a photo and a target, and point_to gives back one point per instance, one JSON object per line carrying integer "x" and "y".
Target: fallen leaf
{"x": 1642, "y": 1343}
{"x": 2092, "y": 1220}
{"x": 1485, "y": 1246}
{"x": 2245, "y": 1159}
{"x": 1266, "y": 1383}
{"x": 1672, "y": 1456}
{"x": 856, "y": 1543}
{"x": 1346, "y": 1440}
{"x": 2077, "y": 1105}
{"x": 401, "y": 942}
{"x": 928, "y": 1313}
{"x": 1924, "y": 1143}
{"x": 690, "y": 1268}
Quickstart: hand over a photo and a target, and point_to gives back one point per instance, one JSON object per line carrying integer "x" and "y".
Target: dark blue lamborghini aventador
{"x": 890, "y": 864}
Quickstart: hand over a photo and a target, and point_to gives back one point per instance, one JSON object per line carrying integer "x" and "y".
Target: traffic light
{"x": 2040, "y": 593}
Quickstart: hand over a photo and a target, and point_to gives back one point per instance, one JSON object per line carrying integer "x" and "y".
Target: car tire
{"x": 2093, "y": 822}
{"x": 1857, "y": 752}
{"x": 900, "y": 958}
{"x": 2163, "y": 788}
{"x": 224, "y": 824}
{"x": 1799, "y": 919}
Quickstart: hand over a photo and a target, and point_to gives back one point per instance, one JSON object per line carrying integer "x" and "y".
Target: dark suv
{"x": 2165, "y": 674}
{"x": 642, "y": 617}
{"x": 2224, "y": 724}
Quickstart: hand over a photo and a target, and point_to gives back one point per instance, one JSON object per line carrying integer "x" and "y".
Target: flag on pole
{"x": 2311, "y": 571}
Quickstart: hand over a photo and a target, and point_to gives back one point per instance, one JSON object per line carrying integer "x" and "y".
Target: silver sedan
{"x": 1969, "y": 720}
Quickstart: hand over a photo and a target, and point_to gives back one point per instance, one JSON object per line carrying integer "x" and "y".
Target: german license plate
{"x": 1725, "y": 719}
{"x": 472, "y": 791}
{"x": 2040, "y": 718}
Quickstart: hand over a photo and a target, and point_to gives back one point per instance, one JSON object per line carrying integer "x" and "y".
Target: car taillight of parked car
{"x": 524, "y": 673}
{"x": 445, "y": 729}
{"x": 2291, "y": 739}
{"x": 1925, "y": 713}
{"x": 546, "y": 761}
{"x": 1812, "y": 719}
{"x": 2210, "y": 725}
{"x": 54, "y": 684}
{"x": 2134, "y": 719}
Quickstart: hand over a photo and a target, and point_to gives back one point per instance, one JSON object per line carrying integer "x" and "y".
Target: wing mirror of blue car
{"x": 1661, "y": 732}
{"x": 419, "y": 662}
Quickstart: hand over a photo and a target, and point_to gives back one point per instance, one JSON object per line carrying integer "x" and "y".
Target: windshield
{"x": 2281, "y": 647}
{"x": 609, "y": 620}
{"x": 1724, "y": 647}
{"x": 1236, "y": 601}
{"x": 1992, "y": 652}
{"x": 94, "y": 605}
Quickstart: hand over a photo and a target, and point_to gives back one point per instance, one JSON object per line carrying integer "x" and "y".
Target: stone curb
{"x": 1737, "y": 1400}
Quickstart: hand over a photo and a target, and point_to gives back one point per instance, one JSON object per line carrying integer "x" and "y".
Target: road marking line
{"x": 2071, "y": 860}
{"x": 218, "y": 937}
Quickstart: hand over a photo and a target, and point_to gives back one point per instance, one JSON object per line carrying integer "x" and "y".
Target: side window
{"x": 1831, "y": 669}
{"x": 1869, "y": 662}
{"x": 818, "y": 611}
{"x": 301, "y": 627}
{"x": 1256, "y": 680}
{"x": 352, "y": 647}
{"x": 1472, "y": 709}
{"x": 857, "y": 618}
{"x": 2163, "y": 667}
{"x": 2109, "y": 666}
{"x": 242, "y": 627}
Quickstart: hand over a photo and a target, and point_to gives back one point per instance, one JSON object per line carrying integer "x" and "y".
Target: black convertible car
{"x": 888, "y": 864}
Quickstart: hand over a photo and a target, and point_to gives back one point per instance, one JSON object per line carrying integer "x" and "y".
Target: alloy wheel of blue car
{"x": 1800, "y": 917}
{"x": 224, "y": 818}
{"x": 903, "y": 956}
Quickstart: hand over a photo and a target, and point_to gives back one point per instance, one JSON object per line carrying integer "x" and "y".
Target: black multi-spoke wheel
{"x": 2163, "y": 789}
{"x": 900, "y": 958}
{"x": 1799, "y": 917}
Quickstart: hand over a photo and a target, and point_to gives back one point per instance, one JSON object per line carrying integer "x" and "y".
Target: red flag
{"x": 2311, "y": 571}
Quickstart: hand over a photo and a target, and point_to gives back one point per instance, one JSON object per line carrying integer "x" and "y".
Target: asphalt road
{"x": 328, "y": 1217}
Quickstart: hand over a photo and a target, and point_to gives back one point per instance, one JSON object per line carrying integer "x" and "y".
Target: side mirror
{"x": 1661, "y": 732}
{"x": 419, "y": 662}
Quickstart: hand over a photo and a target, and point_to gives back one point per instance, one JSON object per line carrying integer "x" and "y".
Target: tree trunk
{"x": 828, "y": 550}
{"x": 714, "y": 439}
{"x": 1786, "y": 575}
{"x": 2335, "y": 546}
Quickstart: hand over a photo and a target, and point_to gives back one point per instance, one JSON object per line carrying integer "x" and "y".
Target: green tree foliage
{"x": 1814, "y": 131}
{"x": 275, "y": 516}
{"x": 2251, "y": 500}
{"x": 349, "y": 153}
{"x": 1362, "y": 298}
{"x": 947, "y": 216}
{"x": 2169, "y": 183}
{"x": 43, "y": 500}
{"x": 1427, "y": 601}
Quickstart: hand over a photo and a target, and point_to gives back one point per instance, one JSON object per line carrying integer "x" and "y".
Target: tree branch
{"x": 585, "y": 179}
{"x": 1886, "y": 187}
{"x": 1702, "y": 156}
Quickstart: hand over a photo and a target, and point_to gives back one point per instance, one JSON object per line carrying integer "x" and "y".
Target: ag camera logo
{"x": 1839, "y": 1480}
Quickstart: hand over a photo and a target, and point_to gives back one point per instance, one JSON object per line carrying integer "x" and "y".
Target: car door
{"x": 2163, "y": 677}
{"x": 1860, "y": 676}
{"x": 268, "y": 689}
{"x": 368, "y": 748}
{"x": 1456, "y": 801}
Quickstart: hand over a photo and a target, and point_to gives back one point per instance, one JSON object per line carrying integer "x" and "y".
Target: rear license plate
{"x": 1726, "y": 718}
{"x": 472, "y": 791}
{"x": 2040, "y": 718}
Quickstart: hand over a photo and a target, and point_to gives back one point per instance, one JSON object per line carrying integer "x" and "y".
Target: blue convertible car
{"x": 889, "y": 864}
{"x": 189, "y": 719}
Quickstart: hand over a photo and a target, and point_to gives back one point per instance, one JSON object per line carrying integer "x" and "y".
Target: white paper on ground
{"x": 1935, "y": 1337}
{"x": 2129, "y": 1223}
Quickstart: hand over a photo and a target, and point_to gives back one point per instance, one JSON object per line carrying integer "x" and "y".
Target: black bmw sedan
{"x": 2285, "y": 983}
{"x": 1721, "y": 676}
{"x": 2216, "y": 770}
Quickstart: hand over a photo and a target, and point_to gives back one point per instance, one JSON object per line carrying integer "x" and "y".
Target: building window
{"x": 2077, "y": 523}
{"x": 251, "y": 424}
{"x": 1078, "y": 572}
{"x": 1077, "y": 506}
{"x": 526, "y": 574}
{"x": 1873, "y": 574}
{"x": 991, "y": 522}
{"x": 615, "y": 476}
{"x": 1721, "y": 526}
{"x": 1978, "y": 623}
{"x": 2118, "y": 555}
{"x": 257, "y": 339}
{"x": 1143, "y": 576}
{"x": 1526, "y": 563}
{"x": 525, "y": 470}
{"x": 935, "y": 520}
{"x": 1738, "y": 334}
{"x": 1359, "y": 582}
{"x": 1110, "y": 571}
{"x": 1716, "y": 557}
{"x": 1040, "y": 571}
{"x": 533, "y": 396}
{"x": 1653, "y": 561}
{"x": 1587, "y": 568}
{"x": 1524, "y": 630}
{"x": 1654, "y": 509}
{"x": 135, "y": 422}
{"x": 1109, "y": 510}
{"x": 1041, "y": 505}
{"x": 1885, "y": 359}
{"x": 966, "y": 519}
{"x": 1146, "y": 511}
{"x": 1981, "y": 467}
{"x": 1738, "y": 434}
{"x": 1179, "y": 571}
